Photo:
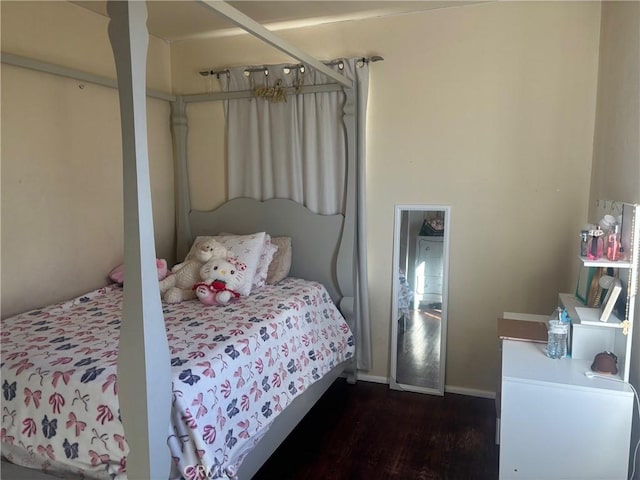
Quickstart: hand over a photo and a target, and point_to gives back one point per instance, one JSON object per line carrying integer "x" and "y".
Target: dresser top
{"x": 527, "y": 362}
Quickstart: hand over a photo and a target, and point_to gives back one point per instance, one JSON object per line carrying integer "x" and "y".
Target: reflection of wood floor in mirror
{"x": 419, "y": 348}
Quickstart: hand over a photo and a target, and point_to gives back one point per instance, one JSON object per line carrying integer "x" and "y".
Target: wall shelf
{"x": 591, "y": 336}
{"x": 591, "y": 316}
{"x": 603, "y": 262}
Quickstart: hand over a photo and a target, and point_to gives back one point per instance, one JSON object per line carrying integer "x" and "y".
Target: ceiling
{"x": 181, "y": 20}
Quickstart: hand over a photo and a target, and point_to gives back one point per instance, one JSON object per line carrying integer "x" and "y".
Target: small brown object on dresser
{"x": 605, "y": 362}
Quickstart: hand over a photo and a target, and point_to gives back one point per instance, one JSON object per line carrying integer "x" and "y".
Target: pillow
{"x": 266, "y": 256}
{"x": 246, "y": 248}
{"x": 281, "y": 263}
{"x": 117, "y": 274}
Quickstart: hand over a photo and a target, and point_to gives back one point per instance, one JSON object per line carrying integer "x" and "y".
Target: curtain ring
{"x": 250, "y": 78}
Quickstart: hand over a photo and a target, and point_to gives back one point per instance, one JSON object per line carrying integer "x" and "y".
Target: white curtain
{"x": 293, "y": 149}
{"x": 296, "y": 149}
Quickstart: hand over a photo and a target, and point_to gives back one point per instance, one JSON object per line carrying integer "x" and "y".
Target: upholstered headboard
{"x": 315, "y": 239}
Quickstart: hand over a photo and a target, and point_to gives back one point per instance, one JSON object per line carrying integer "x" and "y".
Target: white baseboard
{"x": 471, "y": 392}
{"x": 372, "y": 378}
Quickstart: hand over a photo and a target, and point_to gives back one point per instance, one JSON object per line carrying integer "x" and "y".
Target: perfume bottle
{"x": 595, "y": 245}
{"x": 584, "y": 239}
{"x": 613, "y": 244}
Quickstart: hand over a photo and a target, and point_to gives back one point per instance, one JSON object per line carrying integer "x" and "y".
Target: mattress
{"x": 234, "y": 369}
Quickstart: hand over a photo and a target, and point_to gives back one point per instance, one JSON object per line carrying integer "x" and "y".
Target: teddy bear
{"x": 220, "y": 279}
{"x": 178, "y": 285}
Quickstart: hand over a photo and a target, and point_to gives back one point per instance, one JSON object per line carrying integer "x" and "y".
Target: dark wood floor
{"x": 366, "y": 431}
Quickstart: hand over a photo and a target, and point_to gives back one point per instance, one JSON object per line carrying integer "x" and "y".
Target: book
{"x": 610, "y": 299}
{"x": 524, "y": 330}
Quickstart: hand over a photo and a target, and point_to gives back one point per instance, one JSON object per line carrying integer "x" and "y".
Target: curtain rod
{"x": 222, "y": 96}
{"x": 300, "y": 67}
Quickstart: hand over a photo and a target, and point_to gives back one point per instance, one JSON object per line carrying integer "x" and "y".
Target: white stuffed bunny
{"x": 178, "y": 286}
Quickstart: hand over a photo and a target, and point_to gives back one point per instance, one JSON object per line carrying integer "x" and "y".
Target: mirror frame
{"x": 399, "y": 209}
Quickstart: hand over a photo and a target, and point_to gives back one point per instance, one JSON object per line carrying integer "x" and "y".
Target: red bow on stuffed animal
{"x": 216, "y": 286}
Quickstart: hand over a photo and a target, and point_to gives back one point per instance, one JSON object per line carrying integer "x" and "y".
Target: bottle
{"x": 623, "y": 255}
{"x": 584, "y": 239}
{"x": 566, "y": 320}
{"x": 595, "y": 246}
{"x": 613, "y": 244}
{"x": 558, "y": 333}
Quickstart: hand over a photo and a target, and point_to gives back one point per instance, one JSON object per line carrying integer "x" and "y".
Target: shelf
{"x": 582, "y": 315}
{"x": 590, "y": 336}
{"x": 591, "y": 316}
{"x": 603, "y": 262}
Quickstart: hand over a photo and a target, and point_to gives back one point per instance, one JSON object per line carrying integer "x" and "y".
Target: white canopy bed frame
{"x": 324, "y": 246}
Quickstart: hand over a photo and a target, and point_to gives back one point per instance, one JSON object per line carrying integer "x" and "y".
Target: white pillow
{"x": 246, "y": 248}
{"x": 262, "y": 271}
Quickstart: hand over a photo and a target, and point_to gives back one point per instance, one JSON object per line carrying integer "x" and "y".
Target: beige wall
{"x": 64, "y": 34}
{"x": 488, "y": 108}
{"x": 616, "y": 151}
{"x": 616, "y": 156}
{"x": 62, "y": 160}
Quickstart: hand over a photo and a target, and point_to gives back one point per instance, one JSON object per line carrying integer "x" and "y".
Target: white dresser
{"x": 556, "y": 423}
{"x": 429, "y": 270}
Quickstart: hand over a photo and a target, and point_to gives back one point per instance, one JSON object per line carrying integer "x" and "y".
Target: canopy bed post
{"x": 323, "y": 253}
{"x": 248, "y": 24}
{"x": 179, "y": 128}
{"x": 59, "y": 70}
{"x": 144, "y": 396}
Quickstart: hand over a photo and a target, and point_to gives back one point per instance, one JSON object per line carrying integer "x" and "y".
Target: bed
{"x": 160, "y": 397}
{"x": 234, "y": 367}
{"x": 51, "y": 374}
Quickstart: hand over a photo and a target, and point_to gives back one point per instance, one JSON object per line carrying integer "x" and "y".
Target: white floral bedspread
{"x": 234, "y": 369}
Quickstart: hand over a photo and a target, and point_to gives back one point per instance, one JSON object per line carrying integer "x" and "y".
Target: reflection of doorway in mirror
{"x": 428, "y": 272}
{"x": 420, "y": 263}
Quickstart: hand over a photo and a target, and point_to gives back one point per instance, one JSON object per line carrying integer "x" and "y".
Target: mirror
{"x": 419, "y": 300}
